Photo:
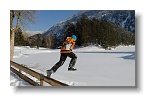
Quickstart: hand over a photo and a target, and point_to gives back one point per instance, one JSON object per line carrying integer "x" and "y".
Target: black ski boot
{"x": 71, "y": 69}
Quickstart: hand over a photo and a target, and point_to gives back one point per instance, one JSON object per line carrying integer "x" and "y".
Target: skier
{"x": 66, "y": 51}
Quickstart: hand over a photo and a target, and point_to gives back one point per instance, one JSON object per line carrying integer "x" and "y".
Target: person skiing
{"x": 66, "y": 51}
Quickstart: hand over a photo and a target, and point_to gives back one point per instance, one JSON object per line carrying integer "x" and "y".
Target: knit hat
{"x": 74, "y": 37}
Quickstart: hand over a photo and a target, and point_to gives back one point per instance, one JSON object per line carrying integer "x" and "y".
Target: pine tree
{"x": 103, "y": 33}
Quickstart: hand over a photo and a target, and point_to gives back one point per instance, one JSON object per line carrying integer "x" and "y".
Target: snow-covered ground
{"x": 95, "y": 66}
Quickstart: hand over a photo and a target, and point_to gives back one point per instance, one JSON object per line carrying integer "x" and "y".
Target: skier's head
{"x": 74, "y": 37}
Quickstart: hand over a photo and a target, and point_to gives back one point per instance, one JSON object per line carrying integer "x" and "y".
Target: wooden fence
{"x": 19, "y": 68}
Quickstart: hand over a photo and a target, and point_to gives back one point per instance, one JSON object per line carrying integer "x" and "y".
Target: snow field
{"x": 95, "y": 66}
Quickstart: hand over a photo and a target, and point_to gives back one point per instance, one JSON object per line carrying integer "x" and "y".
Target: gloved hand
{"x": 59, "y": 47}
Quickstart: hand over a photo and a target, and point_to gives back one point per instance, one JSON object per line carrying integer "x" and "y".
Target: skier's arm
{"x": 72, "y": 46}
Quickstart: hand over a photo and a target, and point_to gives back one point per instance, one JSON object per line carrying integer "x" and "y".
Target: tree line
{"x": 99, "y": 32}
{"x": 36, "y": 40}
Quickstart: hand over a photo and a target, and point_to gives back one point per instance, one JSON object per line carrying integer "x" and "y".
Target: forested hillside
{"x": 100, "y": 32}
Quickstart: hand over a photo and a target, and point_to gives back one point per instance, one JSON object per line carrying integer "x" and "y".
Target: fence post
{"x": 19, "y": 70}
{"x": 41, "y": 79}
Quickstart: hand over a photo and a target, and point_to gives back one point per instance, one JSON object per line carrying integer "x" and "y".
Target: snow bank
{"x": 16, "y": 81}
{"x": 95, "y": 66}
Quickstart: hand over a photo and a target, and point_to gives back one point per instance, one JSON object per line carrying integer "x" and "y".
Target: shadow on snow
{"x": 131, "y": 56}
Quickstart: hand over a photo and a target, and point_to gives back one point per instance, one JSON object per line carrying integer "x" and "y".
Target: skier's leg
{"x": 73, "y": 60}
{"x": 60, "y": 63}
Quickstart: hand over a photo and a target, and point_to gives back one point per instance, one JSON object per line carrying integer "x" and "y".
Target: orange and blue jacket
{"x": 71, "y": 41}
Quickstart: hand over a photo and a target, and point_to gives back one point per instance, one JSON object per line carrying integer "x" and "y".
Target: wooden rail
{"x": 19, "y": 68}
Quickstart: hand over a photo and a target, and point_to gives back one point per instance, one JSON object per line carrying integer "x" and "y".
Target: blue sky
{"x": 47, "y": 18}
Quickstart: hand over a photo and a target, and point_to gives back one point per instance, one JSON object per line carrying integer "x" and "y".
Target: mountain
{"x": 123, "y": 18}
{"x": 31, "y": 33}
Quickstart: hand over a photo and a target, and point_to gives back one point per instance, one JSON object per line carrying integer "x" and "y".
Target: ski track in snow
{"x": 114, "y": 67}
